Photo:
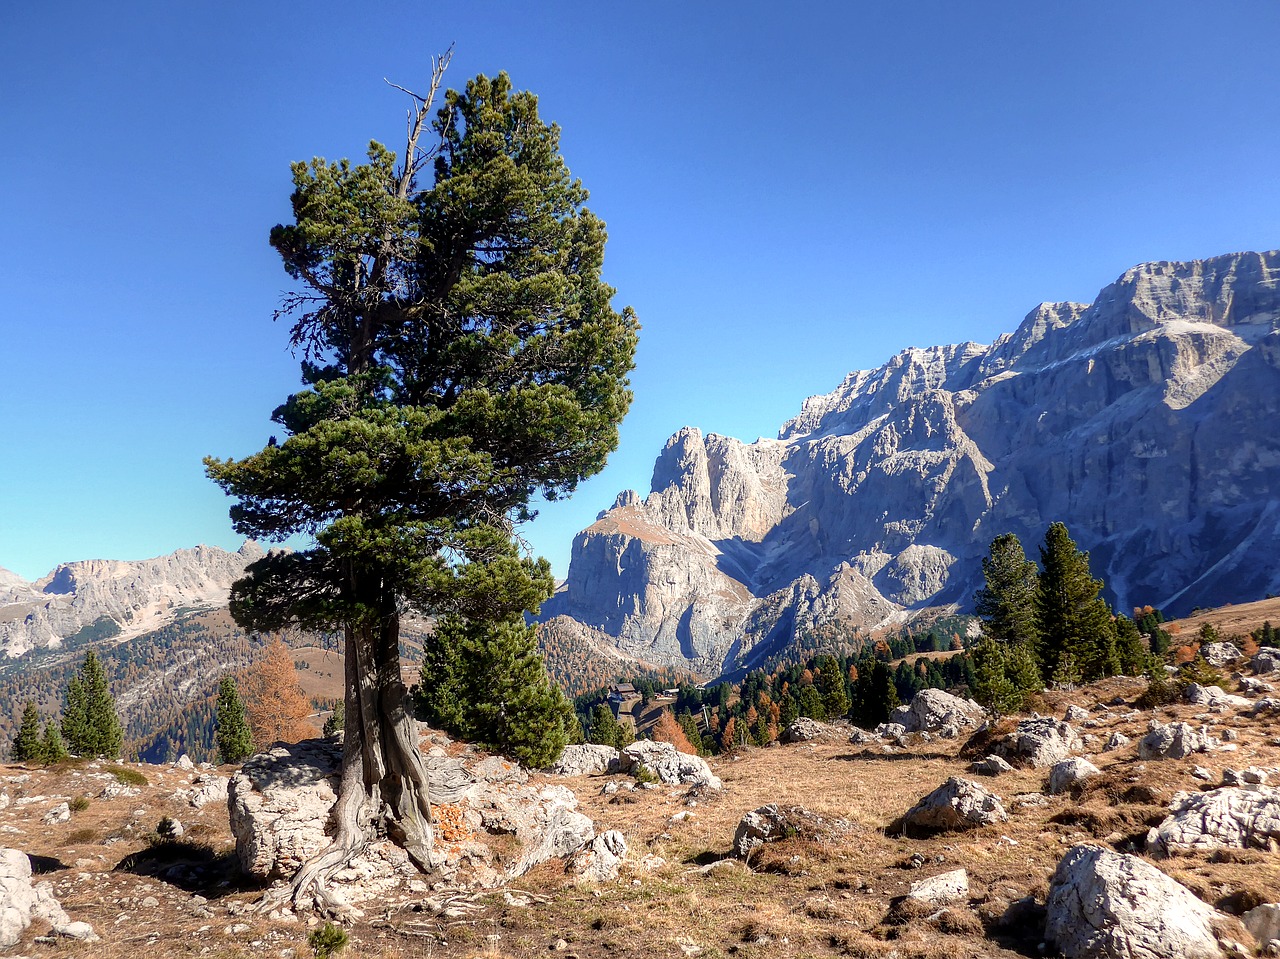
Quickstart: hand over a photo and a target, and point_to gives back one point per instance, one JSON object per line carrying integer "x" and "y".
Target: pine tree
{"x": 276, "y": 709}
{"x": 27, "y": 747}
{"x": 462, "y": 357}
{"x": 51, "y": 746}
{"x": 1007, "y": 603}
{"x": 605, "y": 729}
{"x": 690, "y": 727}
{"x": 830, "y": 684}
{"x": 1074, "y": 621}
{"x": 1131, "y": 654}
{"x": 876, "y": 695}
{"x": 234, "y": 737}
{"x": 336, "y": 722}
{"x": 90, "y": 724}
{"x": 485, "y": 682}
{"x": 75, "y": 718}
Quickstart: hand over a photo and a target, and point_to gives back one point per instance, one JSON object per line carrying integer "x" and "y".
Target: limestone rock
{"x": 58, "y": 814}
{"x": 1214, "y": 697}
{"x": 560, "y": 830}
{"x": 804, "y": 730}
{"x": 942, "y": 889}
{"x": 1041, "y": 741}
{"x": 669, "y": 765}
{"x": 206, "y": 788}
{"x": 1107, "y": 905}
{"x": 1263, "y": 922}
{"x": 1253, "y": 776}
{"x": 772, "y": 823}
{"x": 1076, "y": 714}
{"x": 956, "y": 804}
{"x": 1116, "y": 741}
{"x": 1174, "y": 741}
{"x": 1066, "y": 774}
{"x": 601, "y": 860}
{"x": 933, "y": 710}
{"x": 20, "y": 903}
{"x": 1229, "y": 817}
{"x": 1220, "y": 654}
{"x": 586, "y": 759}
{"x": 990, "y": 766}
{"x": 1265, "y": 660}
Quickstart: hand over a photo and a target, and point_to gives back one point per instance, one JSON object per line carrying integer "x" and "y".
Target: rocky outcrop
{"x": 956, "y": 804}
{"x": 1174, "y": 741}
{"x": 936, "y": 711}
{"x": 1138, "y": 420}
{"x": 1066, "y": 775}
{"x": 601, "y": 860}
{"x": 585, "y": 759}
{"x": 21, "y": 903}
{"x": 1040, "y": 741}
{"x": 805, "y": 730}
{"x": 115, "y": 596}
{"x": 669, "y": 764}
{"x": 1107, "y": 905}
{"x": 1214, "y": 697}
{"x": 1232, "y": 817}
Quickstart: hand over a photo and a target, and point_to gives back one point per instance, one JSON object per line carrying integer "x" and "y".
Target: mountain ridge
{"x": 1139, "y": 419}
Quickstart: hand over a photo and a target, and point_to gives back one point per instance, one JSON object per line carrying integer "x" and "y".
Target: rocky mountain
{"x": 1145, "y": 421}
{"x": 114, "y": 597}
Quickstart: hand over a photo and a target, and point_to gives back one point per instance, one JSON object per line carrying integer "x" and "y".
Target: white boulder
{"x": 1174, "y": 741}
{"x": 935, "y": 711}
{"x": 1066, "y": 774}
{"x": 1041, "y": 741}
{"x": 586, "y": 759}
{"x": 669, "y": 764}
{"x": 956, "y": 804}
{"x": 1232, "y": 817}
{"x": 942, "y": 889}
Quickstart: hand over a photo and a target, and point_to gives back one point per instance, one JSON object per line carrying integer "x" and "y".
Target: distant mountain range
{"x": 1146, "y": 421}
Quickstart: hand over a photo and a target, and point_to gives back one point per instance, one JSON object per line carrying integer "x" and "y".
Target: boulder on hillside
{"x": 669, "y": 764}
{"x": 1076, "y": 714}
{"x": 1040, "y": 741}
{"x": 1263, "y": 923}
{"x": 601, "y": 860}
{"x": 21, "y": 903}
{"x": 1174, "y": 741}
{"x": 1107, "y": 905}
{"x": 805, "y": 730}
{"x": 937, "y": 711}
{"x": 990, "y": 766}
{"x": 1220, "y": 654}
{"x": 772, "y": 823}
{"x": 1214, "y": 697}
{"x": 956, "y": 804}
{"x": 1232, "y": 817}
{"x": 585, "y": 759}
{"x": 1116, "y": 741}
{"x": 940, "y": 890}
{"x": 1265, "y": 660}
{"x": 1068, "y": 773}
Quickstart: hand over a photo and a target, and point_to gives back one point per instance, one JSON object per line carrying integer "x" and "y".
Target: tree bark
{"x": 384, "y": 788}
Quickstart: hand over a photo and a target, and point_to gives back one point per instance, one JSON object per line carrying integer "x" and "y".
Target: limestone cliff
{"x": 1145, "y": 421}
{"x": 135, "y": 596}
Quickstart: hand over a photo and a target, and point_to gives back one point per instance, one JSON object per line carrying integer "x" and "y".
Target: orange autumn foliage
{"x": 667, "y": 730}
{"x": 273, "y": 700}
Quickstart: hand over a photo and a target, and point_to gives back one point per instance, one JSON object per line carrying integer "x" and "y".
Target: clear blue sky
{"x": 792, "y": 191}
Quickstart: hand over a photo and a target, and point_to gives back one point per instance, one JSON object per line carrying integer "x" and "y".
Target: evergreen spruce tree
{"x": 832, "y": 687}
{"x": 691, "y": 732}
{"x": 75, "y": 718}
{"x": 1131, "y": 654}
{"x": 489, "y": 685}
{"x": 52, "y": 748}
{"x": 876, "y": 695}
{"x": 605, "y": 730}
{"x": 1007, "y": 603}
{"x": 234, "y": 737}
{"x": 336, "y": 721}
{"x": 462, "y": 357}
{"x": 27, "y": 747}
{"x": 1074, "y": 621}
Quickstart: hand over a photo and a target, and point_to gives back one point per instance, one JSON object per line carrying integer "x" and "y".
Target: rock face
{"x": 132, "y": 597}
{"x": 956, "y": 804}
{"x": 20, "y": 903}
{"x": 1106, "y": 905}
{"x": 585, "y": 759}
{"x": 1139, "y": 420}
{"x": 1231, "y": 817}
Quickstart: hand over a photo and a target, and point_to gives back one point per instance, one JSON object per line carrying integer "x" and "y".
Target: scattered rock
{"x": 669, "y": 765}
{"x": 956, "y": 804}
{"x": 600, "y": 861}
{"x": 1199, "y": 772}
{"x": 1265, "y": 660}
{"x": 1255, "y": 687}
{"x": 206, "y": 788}
{"x": 58, "y": 814}
{"x": 766, "y": 824}
{"x": 1220, "y": 654}
{"x": 1116, "y": 741}
{"x": 990, "y": 766}
{"x": 1041, "y": 741}
{"x": 585, "y": 760}
{"x": 942, "y": 889}
{"x": 804, "y": 730}
{"x": 1174, "y": 741}
{"x": 1076, "y": 714}
{"x": 1263, "y": 922}
{"x": 1253, "y": 776}
{"x": 1225, "y": 818}
{"x": 1214, "y": 697}
{"x": 20, "y": 903}
{"x": 935, "y": 711}
{"x": 1066, "y": 774}
{"x": 1107, "y": 905}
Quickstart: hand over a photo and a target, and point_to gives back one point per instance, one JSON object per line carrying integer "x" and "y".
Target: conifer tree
{"x": 1076, "y": 628}
{"x": 667, "y": 730}
{"x": 690, "y": 727}
{"x": 462, "y": 356}
{"x": 52, "y": 748}
{"x": 1007, "y": 603}
{"x": 488, "y": 684}
{"x": 605, "y": 729}
{"x": 27, "y": 746}
{"x": 75, "y": 717}
{"x": 90, "y": 724}
{"x": 337, "y": 720}
{"x": 1131, "y": 654}
{"x": 830, "y": 684}
{"x": 234, "y": 737}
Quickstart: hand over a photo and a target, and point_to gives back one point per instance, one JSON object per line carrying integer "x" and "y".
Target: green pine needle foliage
{"x": 234, "y": 737}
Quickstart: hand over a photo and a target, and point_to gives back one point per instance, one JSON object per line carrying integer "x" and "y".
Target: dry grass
{"x": 836, "y": 888}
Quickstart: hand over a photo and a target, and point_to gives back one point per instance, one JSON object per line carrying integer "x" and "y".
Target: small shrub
{"x": 644, "y": 774}
{"x": 128, "y": 777}
{"x": 79, "y": 836}
{"x": 79, "y": 804}
{"x": 167, "y": 829}
{"x": 327, "y": 940}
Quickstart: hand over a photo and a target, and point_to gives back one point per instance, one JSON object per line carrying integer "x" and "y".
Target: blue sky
{"x": 793, "y": 191}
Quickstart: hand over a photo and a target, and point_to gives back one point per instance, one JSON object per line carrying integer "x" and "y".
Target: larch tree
{"x": 668, "y": 730}
{"x": 461, "y": 356}
{"x": 274, "y": 704}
